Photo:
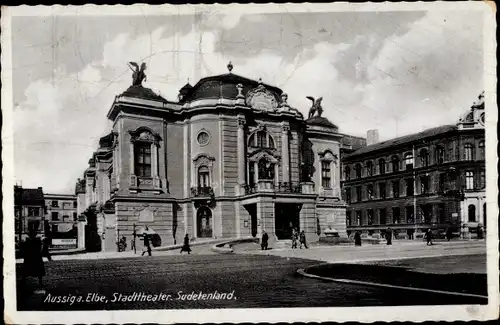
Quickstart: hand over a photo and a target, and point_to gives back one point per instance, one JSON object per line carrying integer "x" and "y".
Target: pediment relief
{"x": 262, "y": 153}
{"x": 261, "y": 99}
{"x": 204, "y": 160}
{"x": 144, "y": 134}
{"x": 327, "y": 155}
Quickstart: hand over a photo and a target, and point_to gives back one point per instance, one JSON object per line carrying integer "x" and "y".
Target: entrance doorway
{"x": 204, "y": 222}
{"x": 287, "y": 217}
{"x": 252, "y": 211}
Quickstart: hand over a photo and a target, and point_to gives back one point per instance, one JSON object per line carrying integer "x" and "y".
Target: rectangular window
{"x": 326, "y": 174}
{"x": 55, "y": 216}
{"x": 451, "y": 155}
{"x": 409, "y": 214}
{"x": 426, "y": 211}
{"x": 469, "y": 180}
{"x": 358, "y": 218}
{"x": 395, "y": 189}
{"x": 381, "y": 216}
{"x": 424, "y": 185}
{"x": 54, "y": 204}
{"x": 482, "y": 179}
{"x": 441, "y": 213}
{"x": 33, "y": 212}
{"x": 74, "y": 216}
{"x": 348, "y": 195}
{"x": 396, "y": 215}
{"x": 369, "y": 191}
{"x": 409, "y": 187}
{"x": 348, "y": 217}
{"x": 142, "y": 159}
{"x": 441, "y": 182}
{"x": 75, "y": 205}
{"x": 55, "y": 228}
{"x": 370, "y": 216}
{"x": 439, "y": 155}
{"x": 381, "y": 189}
{"x": 358, "y": 194}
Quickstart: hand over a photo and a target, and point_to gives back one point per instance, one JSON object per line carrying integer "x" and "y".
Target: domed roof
{"x": 321, "y": 121}
{"x": 225, "y": 86}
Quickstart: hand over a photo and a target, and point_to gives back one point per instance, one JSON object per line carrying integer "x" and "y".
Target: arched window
{"x": 481, "y": 150}
{"x": 261, "y": 139}
{"x": 409, "y": 161}
{"x": 472, "y": 213}
{"x": 347, "y": 173}
{"x": 369, "y": 168}
{"x": 469, "y": 180}
{"x": 358, "y": 170}
{"x": 395, "y": 163}
{"x": 424, "y": 157}
{"x": 142, "y": 157}
{"x": 468, "y": 152}
{"x": 381, "y": 166}
{"x": 203, "y": 177}
{"x": 439, "y": 155}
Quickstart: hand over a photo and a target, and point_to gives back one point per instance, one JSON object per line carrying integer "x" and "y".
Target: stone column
{"x": 81, "y": 234}
{"x": 285, "y": 161}
{"x": 241, "y": 153}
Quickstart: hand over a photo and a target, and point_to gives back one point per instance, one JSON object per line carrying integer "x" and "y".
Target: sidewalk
{"x": 366, "y": 253}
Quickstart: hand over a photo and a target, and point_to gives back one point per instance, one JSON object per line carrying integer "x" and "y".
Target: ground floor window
{"x": 382, "y": 216}
{"x": 472, "y": 213}
{"x": 358, "y": 218}
{"x": 409, "y": 214}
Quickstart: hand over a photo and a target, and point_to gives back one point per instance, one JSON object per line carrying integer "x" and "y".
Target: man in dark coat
{"x": 264, "y": 241}
{"x": 449, "y": 234}
{"x": 428, "y": 237}
{"x": 33, "y": 258}
{"x": 147, "y": 243}
{"x": 357, "y": 239}
{"x": 388, "y": 236}
{"x": 302, "y": 239}
{"x": 185, "y": 247}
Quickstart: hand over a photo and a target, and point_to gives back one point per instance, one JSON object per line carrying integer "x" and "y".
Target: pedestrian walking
{"x": 45, "y": 250}
{"x": 428, "y": 237}
{"x": 302, "y": 239}
{"x": 33, "y": 265}
{"x": 388, "y": 236}
{"x": 480, "y": 232}
{"x": 449, "y": 234}
{"x": 132, "y": 242}
{"x": 185, "y": 247}
{"x": 147, "y": 242}
{"x": 264, "y": 241}
{"x": 357, "y": 238}
{"x": 295, "y": 237}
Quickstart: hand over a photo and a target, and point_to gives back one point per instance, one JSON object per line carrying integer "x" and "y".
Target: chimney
{"x": 371, "y": 137}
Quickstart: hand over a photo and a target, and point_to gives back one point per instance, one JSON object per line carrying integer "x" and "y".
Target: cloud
{"x": 407, "y": 78}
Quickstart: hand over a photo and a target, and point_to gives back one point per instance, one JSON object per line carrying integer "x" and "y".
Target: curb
{"x": 226, "y": 247}
{"x": 381, "y": 285}
{"x": 178, "y": 246}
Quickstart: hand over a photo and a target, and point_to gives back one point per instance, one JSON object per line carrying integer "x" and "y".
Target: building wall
{"x": 66, "y": 209}
{"x": 174, "y": 139}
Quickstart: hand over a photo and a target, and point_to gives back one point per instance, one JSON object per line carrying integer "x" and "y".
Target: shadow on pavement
{"x": 470, "y": 283}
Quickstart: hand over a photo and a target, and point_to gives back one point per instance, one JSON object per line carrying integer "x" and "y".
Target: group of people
{"x": 300, "y": 237}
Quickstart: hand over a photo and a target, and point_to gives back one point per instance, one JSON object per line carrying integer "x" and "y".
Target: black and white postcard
{"x": 249, "y": 163}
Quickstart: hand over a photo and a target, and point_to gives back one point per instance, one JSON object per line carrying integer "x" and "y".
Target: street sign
{"x": 64, "y": 243}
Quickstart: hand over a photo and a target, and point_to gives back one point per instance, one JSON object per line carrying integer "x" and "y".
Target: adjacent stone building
{"x": 432, "y": 179}
{"x": 229, "y": 158}
{"x": 29, "y": 210}
{"x": 61, "y": 212}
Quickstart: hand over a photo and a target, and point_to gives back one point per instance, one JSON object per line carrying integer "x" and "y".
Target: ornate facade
{"x": 230, "y": 158}
{"x": 432, "y": 179}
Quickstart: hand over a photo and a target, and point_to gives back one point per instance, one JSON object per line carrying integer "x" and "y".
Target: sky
{"x": 398, "y": 72}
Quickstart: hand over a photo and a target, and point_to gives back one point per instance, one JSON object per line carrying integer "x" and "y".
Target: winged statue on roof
{"x": 316, "y": 107}
{"x": 138, "y": 74}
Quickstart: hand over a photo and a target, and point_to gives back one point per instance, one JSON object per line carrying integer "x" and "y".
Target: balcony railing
{"x": 202, "y": 191}
{"x": 284, "y": 187}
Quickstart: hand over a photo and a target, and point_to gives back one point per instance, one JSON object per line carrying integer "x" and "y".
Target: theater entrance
{"x": 204, "y": 222}
{"x": 252, "y": 211}
{"x": 287, "y": 217}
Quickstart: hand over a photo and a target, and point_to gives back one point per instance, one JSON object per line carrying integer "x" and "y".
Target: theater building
{"x": 432, "y": 179}
{"x": 229, "y": 158}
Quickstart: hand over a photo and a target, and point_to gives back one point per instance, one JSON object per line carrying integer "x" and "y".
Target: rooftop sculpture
{"x": 138, "y": 74}
{"x": 316, "y": 107}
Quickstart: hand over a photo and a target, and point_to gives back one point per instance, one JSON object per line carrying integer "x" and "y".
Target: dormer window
{"x": 261, "y": 139}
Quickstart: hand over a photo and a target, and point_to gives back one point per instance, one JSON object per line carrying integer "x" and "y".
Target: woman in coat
{"x": 185, "y": 247}
{"x": 33, "y": 258}
{"x": 357, "y": 239}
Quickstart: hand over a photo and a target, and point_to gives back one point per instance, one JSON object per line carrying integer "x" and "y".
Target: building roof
{"x": 224, "y": 86}
{"x": 142, "y": 92}
{"x": 403, "y": 140}
{"x": 28, "y": 196}
{"x": 321, "y": 121}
